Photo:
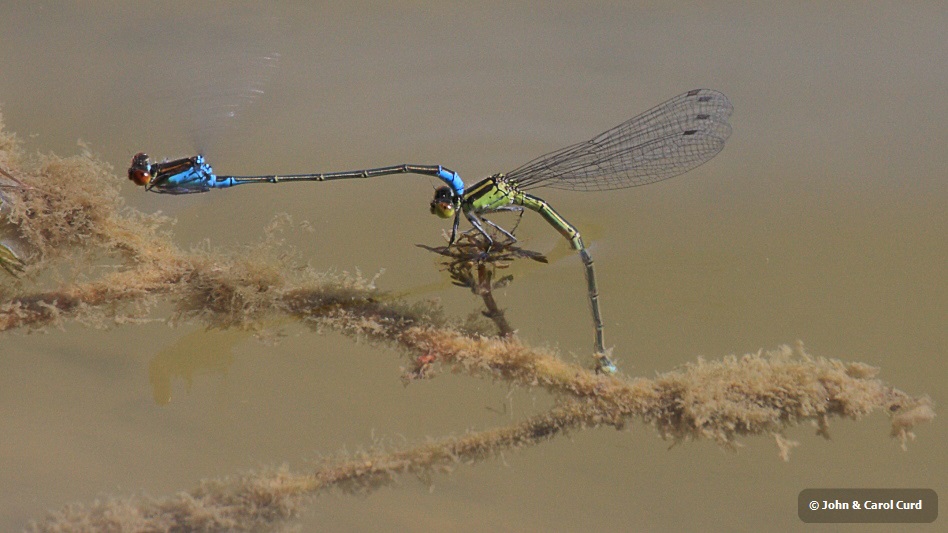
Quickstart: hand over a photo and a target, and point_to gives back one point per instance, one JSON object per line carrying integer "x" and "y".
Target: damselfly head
{"x": 445, "y": 203}
{"x": 140, "y": 170}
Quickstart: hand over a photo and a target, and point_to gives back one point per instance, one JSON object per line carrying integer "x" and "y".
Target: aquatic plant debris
{"x": 473, "y": 262}
{"x": 69, "y": 218}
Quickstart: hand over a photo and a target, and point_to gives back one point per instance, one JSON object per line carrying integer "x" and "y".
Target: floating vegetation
{"x": 473, "y": 262}
{"x": 69, "y": 218}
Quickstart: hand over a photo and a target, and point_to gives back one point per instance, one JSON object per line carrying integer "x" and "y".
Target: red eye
{"x": 139, "y": 176}
{"x": 139, "y": 171}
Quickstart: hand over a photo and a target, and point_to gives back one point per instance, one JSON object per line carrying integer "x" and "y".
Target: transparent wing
{"x": 202, "y": 76}
{"x": 665, "y": 141}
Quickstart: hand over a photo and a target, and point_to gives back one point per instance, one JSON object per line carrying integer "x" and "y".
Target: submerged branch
{"x": 473, "y": 261}
{"x": 696, "y": 401}
{"x": 255, "y": 500}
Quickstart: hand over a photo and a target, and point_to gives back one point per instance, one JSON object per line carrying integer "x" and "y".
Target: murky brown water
{"x": 823, "y": 220}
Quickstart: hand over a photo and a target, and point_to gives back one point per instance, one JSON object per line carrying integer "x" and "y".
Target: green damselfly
{"x": 665, "y": 141}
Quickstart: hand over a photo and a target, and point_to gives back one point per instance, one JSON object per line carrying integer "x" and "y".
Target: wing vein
{"x": 665, "y": 141}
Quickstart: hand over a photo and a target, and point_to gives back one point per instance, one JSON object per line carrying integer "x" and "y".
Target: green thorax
{"x": 490, "y": 194}
{"x": 496, "y": 192}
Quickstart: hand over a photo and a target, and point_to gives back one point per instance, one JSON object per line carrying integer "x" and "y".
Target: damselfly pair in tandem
{"x": 666, "y": 141}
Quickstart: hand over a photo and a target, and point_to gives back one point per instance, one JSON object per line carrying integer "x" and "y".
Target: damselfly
{"x": 666, "y": 141}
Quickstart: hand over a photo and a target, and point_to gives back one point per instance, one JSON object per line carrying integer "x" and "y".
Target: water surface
{"x": 823, "y": 220}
